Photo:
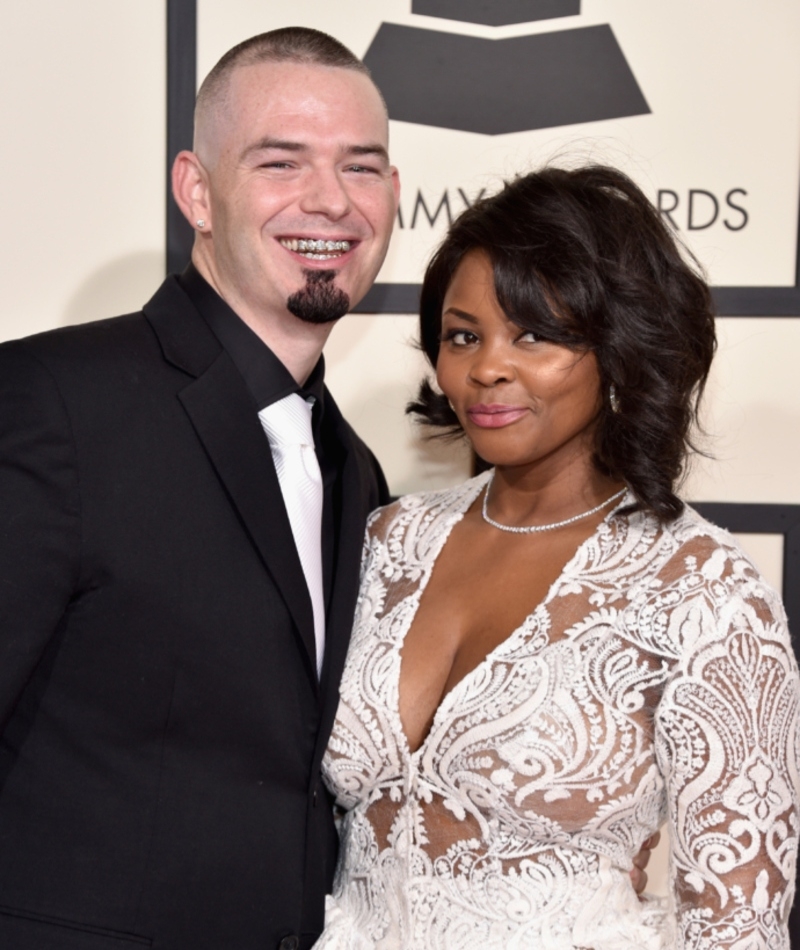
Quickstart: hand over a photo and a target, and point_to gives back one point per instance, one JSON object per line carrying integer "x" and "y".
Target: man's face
{"x": 301, "y": 195}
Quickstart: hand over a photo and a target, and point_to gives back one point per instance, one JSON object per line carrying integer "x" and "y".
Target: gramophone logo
{"x": 472, "y": 84}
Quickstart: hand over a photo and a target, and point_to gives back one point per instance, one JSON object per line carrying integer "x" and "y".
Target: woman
{"x": 554, "y": 658}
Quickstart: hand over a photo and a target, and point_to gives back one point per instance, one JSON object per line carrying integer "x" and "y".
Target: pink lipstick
{"x": 495, "y": 415}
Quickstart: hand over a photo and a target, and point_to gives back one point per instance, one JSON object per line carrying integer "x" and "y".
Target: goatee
{"x": 320, "y": 300}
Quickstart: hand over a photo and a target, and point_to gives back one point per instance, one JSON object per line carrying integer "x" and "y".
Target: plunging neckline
{"x": 416, "y": 598}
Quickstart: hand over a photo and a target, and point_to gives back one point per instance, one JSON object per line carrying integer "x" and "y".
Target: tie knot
{"x": 288, "y": 421}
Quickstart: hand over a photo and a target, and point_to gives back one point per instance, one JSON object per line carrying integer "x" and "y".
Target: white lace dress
{"x": 655, "y": 682}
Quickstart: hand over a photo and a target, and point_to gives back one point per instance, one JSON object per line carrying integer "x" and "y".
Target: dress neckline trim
{"x": 471, "y": 491}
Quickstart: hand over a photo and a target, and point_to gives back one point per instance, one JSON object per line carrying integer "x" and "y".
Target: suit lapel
{"x": 224, "y": 417}
{"x": 358, "y": 497}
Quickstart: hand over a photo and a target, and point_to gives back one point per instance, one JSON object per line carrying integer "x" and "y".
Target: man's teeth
{"x": 316, "y": 250}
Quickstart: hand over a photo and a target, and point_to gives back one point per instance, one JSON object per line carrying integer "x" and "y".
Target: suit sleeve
{"x": 39, "y": 517}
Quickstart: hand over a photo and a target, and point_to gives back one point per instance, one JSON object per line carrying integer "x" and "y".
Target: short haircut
{"x": 582, "y": 258}
{"x": 290, "y": 44}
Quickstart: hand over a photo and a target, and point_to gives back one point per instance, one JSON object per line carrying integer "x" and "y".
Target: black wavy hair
{"x": 582, "y": 258}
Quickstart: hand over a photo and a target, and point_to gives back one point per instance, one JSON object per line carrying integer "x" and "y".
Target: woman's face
{"x": 520, "y": 400}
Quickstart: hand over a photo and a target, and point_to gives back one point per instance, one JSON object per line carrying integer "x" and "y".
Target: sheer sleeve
{"x": 726, "y": 734}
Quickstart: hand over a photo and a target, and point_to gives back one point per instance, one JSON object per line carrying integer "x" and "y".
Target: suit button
{"x": 289, "y": 943}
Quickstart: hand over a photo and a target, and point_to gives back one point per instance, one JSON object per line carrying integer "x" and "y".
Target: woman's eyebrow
{"x": 461, "y": 314}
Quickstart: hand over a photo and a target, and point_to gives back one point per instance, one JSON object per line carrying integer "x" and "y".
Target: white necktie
{"x": 287, "y": 424}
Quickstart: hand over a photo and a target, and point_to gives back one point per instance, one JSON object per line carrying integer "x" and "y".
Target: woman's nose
{"x": 491, "y": 364}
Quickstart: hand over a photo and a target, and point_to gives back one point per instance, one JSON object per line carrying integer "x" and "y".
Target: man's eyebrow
{"x": 287, "y": 145}
{"x": 282, "y": 145}
{"x": 375, "y": 149}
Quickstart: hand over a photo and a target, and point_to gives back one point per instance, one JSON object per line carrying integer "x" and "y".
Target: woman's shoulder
{"x": 425, "y": 507}
{"x": 689, "y": 583}
{"x": 705, "y": 556}
{"x": 689, "y": 535}
{"x": 697, "y": 537}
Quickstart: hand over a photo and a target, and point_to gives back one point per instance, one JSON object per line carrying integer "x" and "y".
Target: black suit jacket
{"x": 162, "y": 724}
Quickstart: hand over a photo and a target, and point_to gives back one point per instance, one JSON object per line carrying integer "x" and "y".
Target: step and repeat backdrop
{"x": 698, "y": 101}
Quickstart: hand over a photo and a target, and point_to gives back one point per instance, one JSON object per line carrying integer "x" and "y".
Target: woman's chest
{"x": 545, "y": 717}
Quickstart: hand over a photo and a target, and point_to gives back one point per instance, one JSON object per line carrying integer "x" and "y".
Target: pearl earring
{"x": 201, "y": 222}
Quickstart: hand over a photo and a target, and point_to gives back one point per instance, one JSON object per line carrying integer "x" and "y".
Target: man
{"x": 165, "y": 686}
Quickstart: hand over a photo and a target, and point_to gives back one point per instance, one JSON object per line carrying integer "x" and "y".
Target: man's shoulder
{"x": 76, "y": 335}
{"x": 119, "y": 339}
{"x": 78, "y": 347}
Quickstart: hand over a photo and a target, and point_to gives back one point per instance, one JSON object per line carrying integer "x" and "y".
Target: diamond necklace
{"x": 542, "y": 527}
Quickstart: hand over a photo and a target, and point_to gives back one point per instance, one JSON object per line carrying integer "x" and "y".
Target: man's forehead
{"x": 296, "y": 101}
{"x": 292, "y": 82}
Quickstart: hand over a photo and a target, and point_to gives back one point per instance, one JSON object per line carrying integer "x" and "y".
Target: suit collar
{"x": 358, "y": 497}
{"x": 224, "y": 416}
{"x": 186, "y": 340}
{"x": 263, "y": 372}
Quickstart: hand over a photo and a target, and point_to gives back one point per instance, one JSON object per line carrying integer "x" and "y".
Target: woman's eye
{"x": 460, "y": 337}
{"x": 528, "y": 336}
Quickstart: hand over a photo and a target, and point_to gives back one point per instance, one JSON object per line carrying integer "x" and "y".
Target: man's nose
{"x": 326, "y": 194}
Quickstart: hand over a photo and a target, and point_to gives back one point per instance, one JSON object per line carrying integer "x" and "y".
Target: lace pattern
{"x": 656, "y": 681}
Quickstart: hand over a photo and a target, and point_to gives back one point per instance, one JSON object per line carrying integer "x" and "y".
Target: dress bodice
{"x": 655, "y": 681}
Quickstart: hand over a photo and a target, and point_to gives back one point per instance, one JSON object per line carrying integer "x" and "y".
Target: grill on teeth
{"x": 301, "y": 244}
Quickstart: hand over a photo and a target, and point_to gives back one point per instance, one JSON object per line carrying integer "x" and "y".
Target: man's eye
{"x": 362, "y": 169}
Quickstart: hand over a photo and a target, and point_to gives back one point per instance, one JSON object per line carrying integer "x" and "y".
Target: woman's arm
{"x": 727, "y": 743}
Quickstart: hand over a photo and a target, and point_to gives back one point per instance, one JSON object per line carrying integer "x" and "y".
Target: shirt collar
{"x": 265, "y": 376}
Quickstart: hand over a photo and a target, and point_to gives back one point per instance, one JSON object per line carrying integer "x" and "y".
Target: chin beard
{"x": 320, "y": 300}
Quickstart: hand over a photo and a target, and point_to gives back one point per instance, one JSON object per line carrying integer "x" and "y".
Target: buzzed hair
{"x": 290, "y": 44}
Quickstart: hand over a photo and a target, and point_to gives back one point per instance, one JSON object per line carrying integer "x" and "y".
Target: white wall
{"x": 83, "y": 123}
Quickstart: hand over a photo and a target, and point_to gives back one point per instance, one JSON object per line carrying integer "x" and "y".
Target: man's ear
{"x": 190, "y": 190}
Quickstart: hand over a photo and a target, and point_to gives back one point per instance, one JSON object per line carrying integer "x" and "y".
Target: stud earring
{"x": 201, "y": 222}
{"x": 613, "y": 398}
